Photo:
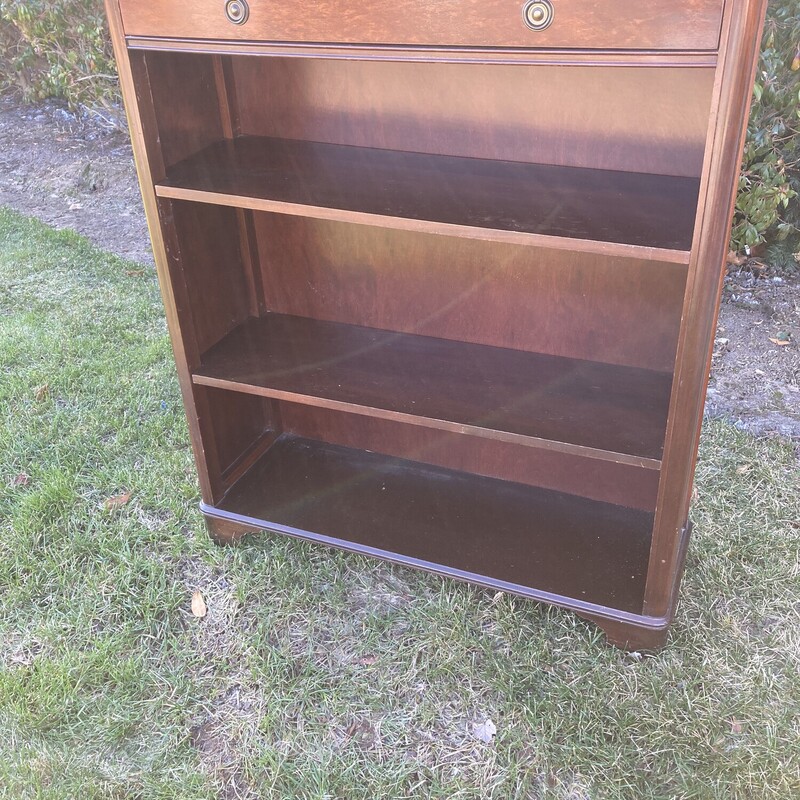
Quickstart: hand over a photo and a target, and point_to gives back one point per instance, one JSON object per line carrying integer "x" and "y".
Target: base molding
{"x": 623, "y": 630}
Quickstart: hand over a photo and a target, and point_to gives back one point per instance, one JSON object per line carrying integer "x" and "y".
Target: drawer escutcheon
{"x": 538, "y": 14}
{"x": 237, "y": 11}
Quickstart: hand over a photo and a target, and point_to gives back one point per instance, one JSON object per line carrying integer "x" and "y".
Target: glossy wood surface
{"x": 509, "y": 113}
{"x": 579, "y": 305}
{"x": 743, "y": 24}
{"x": 615, "y": 413}
{"x": 528, "y": 224}
{"x": 450, "y": 522}
{"x": 478, "y": 195}
{"x": 622, "y": 484}
{"x": 629, "y": 24}
{"x": 573, "y": 57}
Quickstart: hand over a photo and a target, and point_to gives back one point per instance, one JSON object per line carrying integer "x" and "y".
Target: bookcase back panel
{"x": 621, "y": 118}
{"x": 615, "y": 310}
{"x": 607, "y": 481}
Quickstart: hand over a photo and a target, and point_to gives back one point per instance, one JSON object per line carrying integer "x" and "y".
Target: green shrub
{"x": 767, "y": 206}
{"x": 57, "y": 48}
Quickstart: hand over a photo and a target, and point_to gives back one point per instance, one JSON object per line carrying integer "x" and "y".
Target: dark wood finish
{"x": 429, "y": 275}
{"x": 224, "y": 532}
{"x": 630, "y": 24}
{"x": 474, "y": 197}
{"x": 505, "y": 112}
{"x": 604, "y": 411}
{"x": 739, "y": 54}
{"x": 496, "y": 533}
{"x": 578, "y": 305}
{"x": 183, "y": 122}
{"x": 608, "y": 481}
{"x": 430, "y": 55}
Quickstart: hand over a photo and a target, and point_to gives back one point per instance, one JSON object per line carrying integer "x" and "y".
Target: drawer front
{"x": 591, "y": 24}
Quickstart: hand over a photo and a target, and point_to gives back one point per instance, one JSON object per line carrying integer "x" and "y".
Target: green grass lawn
{"x": 319, "y": 674}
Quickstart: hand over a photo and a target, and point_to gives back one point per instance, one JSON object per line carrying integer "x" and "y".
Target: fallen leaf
{"x": 744, "y": 469}
{"x": 367, "y": 661}
{"x": 199, "y": 605}
{"x": 735, "y": 259}
{"x": 42, "y": 392}
{"x": 134, "y": 273}
{"x": 118, "y": 501}
{"x": 736, "y": 726}
{"x": 780, "y": 342}
{"x": 23, "y": 479}
{"x": 485, "y": 731}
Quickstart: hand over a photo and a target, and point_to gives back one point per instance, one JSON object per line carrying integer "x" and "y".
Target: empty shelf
{"x": 536, "y": 542}
{"x": 584, "y": 407}
{"x": 629, "y": 213}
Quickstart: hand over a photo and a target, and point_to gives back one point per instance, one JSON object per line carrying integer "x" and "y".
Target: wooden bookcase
{"x": 442, "y": 286}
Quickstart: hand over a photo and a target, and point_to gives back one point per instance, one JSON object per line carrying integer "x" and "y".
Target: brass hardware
{"x": 237, "y": 11}
{"x": 538, "y": 14}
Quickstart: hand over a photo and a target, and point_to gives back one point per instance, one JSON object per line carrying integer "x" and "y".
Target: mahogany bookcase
{"x": 442, "y": 278}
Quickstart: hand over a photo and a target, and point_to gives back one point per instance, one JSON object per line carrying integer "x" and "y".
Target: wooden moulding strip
{"x": 605, "y": 58}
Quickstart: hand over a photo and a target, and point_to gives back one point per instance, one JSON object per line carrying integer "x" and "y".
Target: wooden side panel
{"x": 237, "y": 421}
{"x": 738, "y": 58}
{"x": 619, "y": 311}
{"x": 210, "y": 264}
{"x": 621, "y": 484}
{"x": 638, "y": 120}
{"x": 656, "y": 24}
{"x": 185, "y": 102}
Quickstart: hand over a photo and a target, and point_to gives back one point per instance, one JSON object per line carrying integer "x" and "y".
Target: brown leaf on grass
{"x": 199, "y": 608}
{"x": 118, "y": 501}
{"x": 735, "y": 259}
{"x": 42, "y": 392}
{"x": 780, "y": 342}
{"x": 134, "y": 273}
{"x": 23, "y": 479}
{"x": 737, "y": 727}
{"x": 367, "y": 661}
{"x": 485, "y": 731}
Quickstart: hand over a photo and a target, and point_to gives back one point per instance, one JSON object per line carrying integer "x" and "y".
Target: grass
{"x": 319, "y": 674}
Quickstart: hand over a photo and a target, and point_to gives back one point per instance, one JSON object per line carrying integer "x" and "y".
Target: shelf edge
{"x": 431, "y": 422}
{"x": 591, "y": 246}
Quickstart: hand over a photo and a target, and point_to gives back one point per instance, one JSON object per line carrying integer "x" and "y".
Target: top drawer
{"x": 590, "y": 24}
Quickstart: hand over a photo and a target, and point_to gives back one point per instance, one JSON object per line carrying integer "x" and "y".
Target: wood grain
{"x": 629, "y": 24}
{"x": 606, "y": 481}
{"x": 606, "y": 411}
{"x": 510, "y": 113}
{"x": 596, "y": 307}
{"x": 310, "y": 178}
{"x": 743, "y": 24}
{"x": 491, "y": 532}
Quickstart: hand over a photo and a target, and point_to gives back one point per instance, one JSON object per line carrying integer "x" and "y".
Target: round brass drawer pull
{"x": 538, "y": 14}
{"x": 237, "y": 11}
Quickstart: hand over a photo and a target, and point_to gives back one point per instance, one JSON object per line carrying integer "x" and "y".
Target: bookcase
{"x": 442, "y": 279}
